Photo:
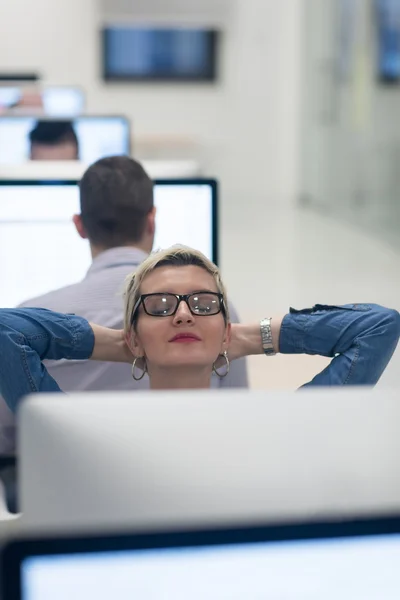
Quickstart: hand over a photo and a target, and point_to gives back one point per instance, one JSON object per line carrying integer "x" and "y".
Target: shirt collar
{"x": 115, "y": 257}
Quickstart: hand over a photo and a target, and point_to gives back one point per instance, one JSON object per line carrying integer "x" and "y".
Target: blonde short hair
{"x": 174, "y": 256}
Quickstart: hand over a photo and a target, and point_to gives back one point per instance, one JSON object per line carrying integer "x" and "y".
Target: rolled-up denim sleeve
{"x": 30, "y": 335}
{"x": 361, "y": 338}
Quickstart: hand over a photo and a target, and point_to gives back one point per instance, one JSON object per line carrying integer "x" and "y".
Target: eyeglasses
{"x": 202, "y": 304}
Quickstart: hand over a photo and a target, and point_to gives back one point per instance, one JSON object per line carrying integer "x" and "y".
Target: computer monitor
{"x": 206, "y": 457}
{"x": 52, "y": 254}
{"x": 18, "y": 77}
{"x": 387, "y": 17}
{"x": 350, "y": 560}
{"x": 97, "y": 136}
{"x": 55, "y": 101}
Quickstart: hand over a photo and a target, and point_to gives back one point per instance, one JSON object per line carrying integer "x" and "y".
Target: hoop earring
{"x": 227, "y": 365}
{"x": 144, "y": 371}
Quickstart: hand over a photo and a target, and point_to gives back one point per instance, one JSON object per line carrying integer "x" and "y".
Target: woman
{"x": 177, "y": 330}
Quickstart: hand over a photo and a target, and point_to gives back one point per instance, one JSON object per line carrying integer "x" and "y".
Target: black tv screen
{"x": 388, "y": 14}
{"x": 159, "y": 54}
{"x": 7, "y": 77}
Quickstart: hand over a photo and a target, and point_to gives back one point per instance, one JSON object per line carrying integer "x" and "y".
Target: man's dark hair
{"x": 116, "y": 195}
{"x": 52, "y": 133}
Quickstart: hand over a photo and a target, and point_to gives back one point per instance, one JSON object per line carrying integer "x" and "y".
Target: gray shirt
{"x": 98, "y": 298}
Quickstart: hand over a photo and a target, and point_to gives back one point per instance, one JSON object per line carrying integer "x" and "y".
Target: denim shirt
{"x": 360, "y": 338}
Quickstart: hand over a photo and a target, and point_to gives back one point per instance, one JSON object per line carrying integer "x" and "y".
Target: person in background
{"x": 21, "y": 101}
{"x": 30, "y": 100}
{"x": 53, "y": 140}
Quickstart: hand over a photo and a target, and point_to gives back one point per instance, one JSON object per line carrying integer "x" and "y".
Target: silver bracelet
{"x": 266, "y": 337}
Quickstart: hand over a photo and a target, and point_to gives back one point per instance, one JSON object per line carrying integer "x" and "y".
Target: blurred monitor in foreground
{"x": 350, "y": 560}
{"x": 175, "y": 458}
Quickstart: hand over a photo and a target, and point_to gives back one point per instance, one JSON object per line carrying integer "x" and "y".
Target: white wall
{"x": 246, "y": 125}
{"x": 351, "y": 126}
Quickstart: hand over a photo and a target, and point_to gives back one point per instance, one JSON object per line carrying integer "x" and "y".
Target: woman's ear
{"x": 134, "y": 344}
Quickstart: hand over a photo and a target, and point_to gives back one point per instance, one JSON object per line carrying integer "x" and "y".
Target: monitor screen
{"x": 57, "y": 101}
{"x": 143, "y": 53}
{"x": 89, "y": 138}
{"x": 388, "y": 25}
{"x": 52, "y": 254}
{"x": 226, "y": 566}
{"x": 18, "y": 77}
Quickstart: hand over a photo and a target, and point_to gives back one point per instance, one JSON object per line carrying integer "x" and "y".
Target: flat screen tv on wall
{"x": 388, "y": 46}
{"x": 159, "y": 54}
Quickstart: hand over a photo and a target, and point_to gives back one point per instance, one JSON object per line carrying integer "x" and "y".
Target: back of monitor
{"x": 180, "y": 458}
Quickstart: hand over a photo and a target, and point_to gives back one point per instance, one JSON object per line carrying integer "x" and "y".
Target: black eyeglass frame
{"x": 179, "y": 298}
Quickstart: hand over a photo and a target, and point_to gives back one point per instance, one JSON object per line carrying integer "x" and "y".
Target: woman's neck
{"x": 180, "y": 379}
